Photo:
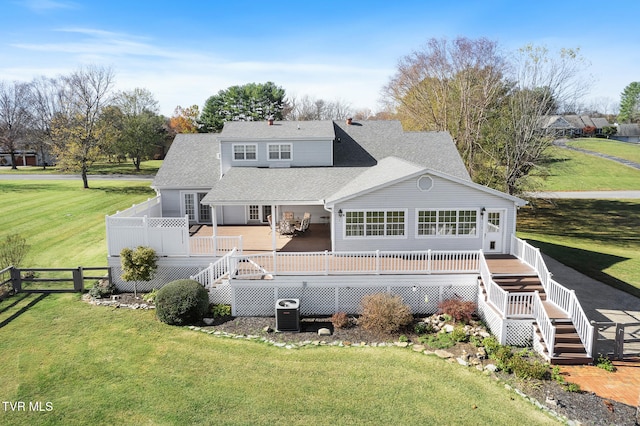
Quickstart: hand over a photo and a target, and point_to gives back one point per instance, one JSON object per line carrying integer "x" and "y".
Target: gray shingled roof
{"x": 365, "y": 143}
{"x": 279, "y": 130}
{"x": 190, "y": 163}
{"x": 302, "y": 185}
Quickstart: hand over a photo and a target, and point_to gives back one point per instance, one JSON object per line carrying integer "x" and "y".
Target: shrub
{"x": 151, "y": 296}
{"x": 475, "y": 341}
{"x": 102, "y": 288}
{"x": 528, "y": 370}
{"x": 423, "y": 328}
{"x": 438, "y": 341}
{"x": 220, "y": 310}
{"x": 502, "y": 355}
{"x": 340, "y": 320}
{"x": 460, "y": 310}
{"x": 490, "y": 344}
{"x": 13, "y": 250}
{"x": 384, "y": 313}
{"x": 459, "y": 335}
{"x": 182, "y": 302}
{"x": 139, "y": 264}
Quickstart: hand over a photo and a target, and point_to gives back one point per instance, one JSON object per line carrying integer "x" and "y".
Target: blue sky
{"x": 185, "y": 51}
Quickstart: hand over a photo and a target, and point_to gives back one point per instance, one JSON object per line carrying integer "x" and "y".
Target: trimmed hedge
{"x": 182, "y": 302}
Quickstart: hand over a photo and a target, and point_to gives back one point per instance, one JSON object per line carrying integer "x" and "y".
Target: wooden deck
{"x": 258, "y": 238}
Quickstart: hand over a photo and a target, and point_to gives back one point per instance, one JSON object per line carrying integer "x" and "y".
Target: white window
{"x": 447, "y": 223}
{"x": 244, "y": 152}
{"x": 375, "y": 223}
{"x": 279, "y": 151}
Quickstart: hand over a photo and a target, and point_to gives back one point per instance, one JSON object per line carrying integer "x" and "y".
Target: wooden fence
{"x": 52, "y": 280}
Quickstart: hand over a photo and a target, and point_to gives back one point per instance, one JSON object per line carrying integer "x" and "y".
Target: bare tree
{"x": 77, "y": 134}
{"x": 449, "y": 86}
{"x": 15, "y": 116}
{"x": 47, "y": 104}
{"x": 541, "y": 82}
{"x": 308, "y": 108}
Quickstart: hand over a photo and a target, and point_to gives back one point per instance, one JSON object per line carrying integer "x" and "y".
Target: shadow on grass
{"x": 590, "y": 263}
{"x": 133, "y": 190}
{"x": 23, "y": 309}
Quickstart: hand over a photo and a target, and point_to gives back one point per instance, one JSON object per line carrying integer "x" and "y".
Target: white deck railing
{"x": 509, "y": 305}
{"x": 370, "y": 262}
{"x": 215, "y": 271}
{"x": 564, "y": 298}
{"x": 545, "y": 325}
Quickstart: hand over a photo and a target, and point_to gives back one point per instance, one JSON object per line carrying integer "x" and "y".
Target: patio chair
{"x": 304, "y": 225}
{"x": 287, "y": 216}
{"x": 270, "y": 220}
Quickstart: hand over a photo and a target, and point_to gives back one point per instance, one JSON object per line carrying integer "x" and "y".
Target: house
{"x": 25, "y": 158}
{"x": 371, "y": 181}
{"x": 627, "y": 133}
{"x": 390, "y": 211}
{"x": 571, "y": 125}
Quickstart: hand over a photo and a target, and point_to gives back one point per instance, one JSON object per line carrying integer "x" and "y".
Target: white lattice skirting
{"x": 327, "y": 295}
{"x": 514, "y": 332}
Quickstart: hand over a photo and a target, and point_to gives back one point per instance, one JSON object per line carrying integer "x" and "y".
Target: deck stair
{"x": 514, "y": 276}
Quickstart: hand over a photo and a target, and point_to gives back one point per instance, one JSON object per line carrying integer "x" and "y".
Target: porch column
{"x": 274, "y": 220}
{"x": 214, "y": 229}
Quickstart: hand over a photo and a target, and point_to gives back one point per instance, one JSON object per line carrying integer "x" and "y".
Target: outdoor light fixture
{"x": 340, "y": 213}
{"x": 482, "y": 211}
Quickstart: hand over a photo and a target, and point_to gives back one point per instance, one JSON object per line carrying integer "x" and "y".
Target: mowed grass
{"x": 63, "y": 223}
{"x": 575, "y": 171}
{"x": 149, "y": 167}
{"x": 600, "y": 238}
{"x": 97, "y": 365}
{"x": 624, "y": 150}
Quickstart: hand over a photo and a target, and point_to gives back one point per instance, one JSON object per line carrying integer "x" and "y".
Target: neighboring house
{"x": 391, "y": 211}
{"x": 24, "y": 158}
{"x": 573, "y": 125}
{"x": 627, "y": 133}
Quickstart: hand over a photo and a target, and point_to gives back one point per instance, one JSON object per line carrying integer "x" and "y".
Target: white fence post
{"x": 326, "y": 263}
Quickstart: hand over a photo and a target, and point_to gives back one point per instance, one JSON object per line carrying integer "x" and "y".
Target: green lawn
{"x": 627, "y": 151}
{"x": 98, "y": 365}
{"x": 575, "y": 171}
{"x": 600, "y": 238}
{"x": 63, "y": 223}
{"x": 99, "y": 168}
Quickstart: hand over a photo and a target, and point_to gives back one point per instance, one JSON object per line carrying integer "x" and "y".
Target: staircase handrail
{"x": 497, "y": 296}
{"x": 547, "y": 329}
{"x": 227, "y": 264}
{"x": 561, "y": 296}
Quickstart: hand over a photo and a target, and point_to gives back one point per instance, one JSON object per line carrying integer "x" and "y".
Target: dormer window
{"x": 280, "y": 151}
{"x": 244, "y": 152}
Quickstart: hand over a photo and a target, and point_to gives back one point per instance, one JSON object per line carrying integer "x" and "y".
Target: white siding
{"x": 303, "y": 154}
{"x": 405, "y": 195}
{"x": 170, "y": 203}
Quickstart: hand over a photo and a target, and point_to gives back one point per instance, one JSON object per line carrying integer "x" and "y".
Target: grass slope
{"x": 97, "y": 365}
{"x": 627, "y": 151}
{"x": 63, "y": 223}
{"x": 575, "y": 171}
{"x": 600, "y": 238}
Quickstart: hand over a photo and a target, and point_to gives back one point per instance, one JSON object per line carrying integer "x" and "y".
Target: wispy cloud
{"x": 47, "y": 5}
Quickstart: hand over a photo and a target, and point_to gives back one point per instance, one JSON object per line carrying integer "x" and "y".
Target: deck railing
{"x": 221, "y": 267}
{"x": 545, "y": 325}
{"x": 564, "y": 298}
{"x": 509, "y": 305}
{"x": 370, "y": 262}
